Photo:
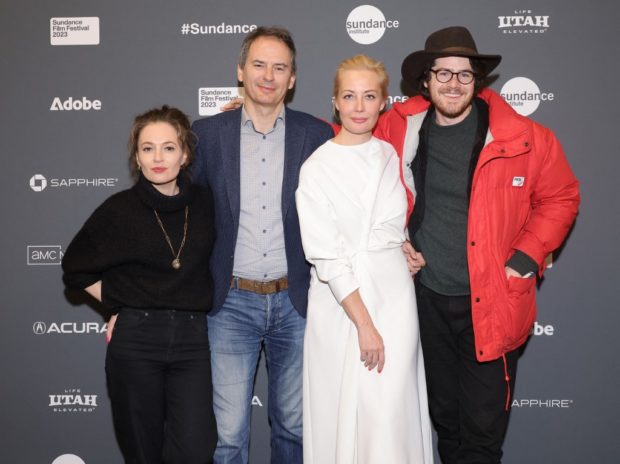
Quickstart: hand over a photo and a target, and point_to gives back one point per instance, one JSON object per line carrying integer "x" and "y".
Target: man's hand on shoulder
{"x": 233, "y": 104}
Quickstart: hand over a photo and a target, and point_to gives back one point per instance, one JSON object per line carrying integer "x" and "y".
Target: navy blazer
{"x": 217, "y": 164}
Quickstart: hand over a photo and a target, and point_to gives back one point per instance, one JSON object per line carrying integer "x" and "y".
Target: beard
{"x": 451, "y": 109}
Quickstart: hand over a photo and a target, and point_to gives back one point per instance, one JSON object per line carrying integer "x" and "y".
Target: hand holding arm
{"x": 415, "y": 260}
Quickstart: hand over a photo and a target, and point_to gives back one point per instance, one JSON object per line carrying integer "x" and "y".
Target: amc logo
{"x": 44, "y": 255}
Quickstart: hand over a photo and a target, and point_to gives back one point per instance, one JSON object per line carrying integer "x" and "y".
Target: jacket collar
{"x": 505, "y": 124}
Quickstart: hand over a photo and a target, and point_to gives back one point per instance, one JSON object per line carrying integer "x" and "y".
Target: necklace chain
{"x": 176, "y": 262}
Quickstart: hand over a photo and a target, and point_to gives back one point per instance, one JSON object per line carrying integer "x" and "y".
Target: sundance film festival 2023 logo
{"x": 523, "y": 22}
{"x": 366, "y": 24}
{"x": 39, "y": 182}
{"x": 211, "y": 99}
{"x": 74, "y": 31}
{"x": 524, "y": 95}
{"x": 73, "y": 400}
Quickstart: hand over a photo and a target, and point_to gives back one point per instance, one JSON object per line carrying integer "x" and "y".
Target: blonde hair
{"x": 362, "y": 62}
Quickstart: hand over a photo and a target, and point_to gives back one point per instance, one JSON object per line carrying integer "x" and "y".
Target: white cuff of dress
{"x": 343, "y": 285}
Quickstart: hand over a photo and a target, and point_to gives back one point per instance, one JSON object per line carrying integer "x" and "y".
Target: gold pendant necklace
{"x": 176, "y": 262}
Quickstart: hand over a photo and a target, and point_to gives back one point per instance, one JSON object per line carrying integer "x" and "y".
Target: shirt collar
{"x": 246, "y": 121}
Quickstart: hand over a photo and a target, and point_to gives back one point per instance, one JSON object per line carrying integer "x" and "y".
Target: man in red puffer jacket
{"x": 494, "y": 195}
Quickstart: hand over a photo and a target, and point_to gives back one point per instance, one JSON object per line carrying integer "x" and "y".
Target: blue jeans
{"x": 237, "y": 332}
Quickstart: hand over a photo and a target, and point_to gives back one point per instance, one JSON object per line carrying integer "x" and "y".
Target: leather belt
{"x": 260, "y": 287}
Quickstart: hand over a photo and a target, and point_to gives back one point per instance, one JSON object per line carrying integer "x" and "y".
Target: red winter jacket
{"x": 524, "y": 197}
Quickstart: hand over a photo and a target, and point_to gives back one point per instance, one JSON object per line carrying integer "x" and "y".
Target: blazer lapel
{"x": 294, "y": 140}
{"x": 230, "y": 143}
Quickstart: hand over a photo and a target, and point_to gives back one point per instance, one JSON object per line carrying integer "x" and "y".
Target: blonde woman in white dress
{"x": 364, "y": 387}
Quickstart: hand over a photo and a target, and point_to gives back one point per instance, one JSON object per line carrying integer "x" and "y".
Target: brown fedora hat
{"x": 451, "y": 41}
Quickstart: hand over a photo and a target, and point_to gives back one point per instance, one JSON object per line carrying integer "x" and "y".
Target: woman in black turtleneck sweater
{"x": 144, "y": 253}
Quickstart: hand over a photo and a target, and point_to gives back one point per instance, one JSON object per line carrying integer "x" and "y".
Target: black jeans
{"x": 467, "y": 398}
{"x": 159, "y": 380}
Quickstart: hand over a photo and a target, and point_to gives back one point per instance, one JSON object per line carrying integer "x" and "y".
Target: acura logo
{"x": 39, "y": 328}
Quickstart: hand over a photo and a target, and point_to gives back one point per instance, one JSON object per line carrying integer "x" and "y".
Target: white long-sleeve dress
{"x": 352, "y": 212}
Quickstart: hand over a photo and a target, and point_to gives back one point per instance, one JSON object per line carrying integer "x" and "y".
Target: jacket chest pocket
{"x": 501, "y": 193}
{"x": 510, "y": 173}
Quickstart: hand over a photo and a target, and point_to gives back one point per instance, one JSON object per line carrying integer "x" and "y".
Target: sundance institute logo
{"x": 524, "y": 95}
{"x": 366, "y": 24}
{"x": 68, "y": 459}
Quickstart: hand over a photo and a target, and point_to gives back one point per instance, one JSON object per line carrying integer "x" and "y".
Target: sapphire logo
{"x": 366, "y": 24}
{"x": 542, "y": 403}
{"x": 524, "y": 95}
{"x": 523, "y": 22}
{"x": 38, "y": 183}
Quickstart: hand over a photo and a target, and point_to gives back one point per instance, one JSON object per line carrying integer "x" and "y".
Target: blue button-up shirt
{"x": 260, "y": 253}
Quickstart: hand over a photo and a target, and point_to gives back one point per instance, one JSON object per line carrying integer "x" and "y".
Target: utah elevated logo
{"x": 523, "y": 22}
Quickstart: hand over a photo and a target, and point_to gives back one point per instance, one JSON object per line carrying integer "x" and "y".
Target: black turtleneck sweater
{"x": 122, "y": 245}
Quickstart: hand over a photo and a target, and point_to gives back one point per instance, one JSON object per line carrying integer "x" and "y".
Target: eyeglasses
{"x": 445, "y": 75}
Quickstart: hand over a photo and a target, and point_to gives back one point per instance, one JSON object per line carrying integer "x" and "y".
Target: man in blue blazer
{"x": 251, "y": 157}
